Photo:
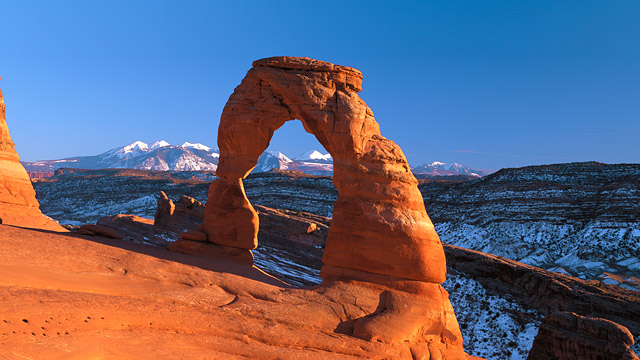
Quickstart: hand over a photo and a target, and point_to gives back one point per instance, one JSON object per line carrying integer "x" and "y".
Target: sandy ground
{"x": 65, "y": 296}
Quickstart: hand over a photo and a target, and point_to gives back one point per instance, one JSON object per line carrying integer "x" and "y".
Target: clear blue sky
{"x": 489, "y": 84}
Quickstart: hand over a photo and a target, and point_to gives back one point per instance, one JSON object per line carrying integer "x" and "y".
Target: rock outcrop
{"x": 18, "y": 204}
{"x": 180, "y": 216}
{"x": 380, "y": 234}
{"x": 545, "y": 291}
{"x": 568, "y": 336}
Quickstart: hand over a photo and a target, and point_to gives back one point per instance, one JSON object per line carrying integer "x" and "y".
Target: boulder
{"x": 165, "y": 210}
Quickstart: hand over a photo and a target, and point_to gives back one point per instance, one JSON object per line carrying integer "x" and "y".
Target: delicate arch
{"x": 380, "y": 228}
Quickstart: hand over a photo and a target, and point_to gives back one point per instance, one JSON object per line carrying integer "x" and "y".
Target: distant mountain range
{"x": 444, "y": 169}
{"x": 138, "y": 155}
{"x": 198, "y": 157}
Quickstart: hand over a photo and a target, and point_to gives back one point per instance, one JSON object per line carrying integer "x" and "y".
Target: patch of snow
{"x": 592, "y": 264}
{"x": 610, "y": 281}
{"x": 629, "y": 261}
{"x": 492, "y": 327}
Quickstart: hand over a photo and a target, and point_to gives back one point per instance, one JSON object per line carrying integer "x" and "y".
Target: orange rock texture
{"x": 98, "y": 298}
{"x": 380, "y": 232}
{"x": 18, "y": 204}
{"x": 379, "y": 224}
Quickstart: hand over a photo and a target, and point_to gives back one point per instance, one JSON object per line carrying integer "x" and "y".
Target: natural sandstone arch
{"x": 380, "y": 230}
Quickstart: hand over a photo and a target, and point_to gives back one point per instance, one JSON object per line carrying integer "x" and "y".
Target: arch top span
{"x": 380, "y": 229}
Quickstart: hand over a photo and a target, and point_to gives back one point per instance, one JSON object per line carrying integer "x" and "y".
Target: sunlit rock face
{"x": 380, "y": 234}
{"x": 18, "y": 204}
{"x": 379, "y": 224}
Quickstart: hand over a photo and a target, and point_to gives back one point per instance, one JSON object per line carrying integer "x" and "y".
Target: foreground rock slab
{"x": 106, "y": 298}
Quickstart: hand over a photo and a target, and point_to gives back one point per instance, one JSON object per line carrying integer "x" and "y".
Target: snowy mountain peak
{"x": 159, "y": 144}
{"x": 280, "y": 156}
{"x": 441, "y": 168}
{"x": 134, "y": 147}
{"x": 198, "y": 146}
{"x": 314, "y": 155}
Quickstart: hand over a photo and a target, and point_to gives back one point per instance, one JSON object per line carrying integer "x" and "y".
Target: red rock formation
{"x": 183, "y": 215}
{"x": 380, "y": 234}
{"x": 18, "y": 204}
{"x": 378, "y": 196}
{"x": 568, "y": 336}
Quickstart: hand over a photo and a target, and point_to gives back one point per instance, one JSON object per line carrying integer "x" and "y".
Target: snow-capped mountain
{"x": 440, "y": 168}
{"x": 197, "y": 146}
{"x": 139, "y": 155}
{"x": 272, "y": 160}
{"x": 315, "y": 156}
{"x": 187, "y": 156}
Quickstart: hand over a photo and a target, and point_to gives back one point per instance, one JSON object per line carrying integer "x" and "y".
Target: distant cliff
{"x": 579, "y": 218}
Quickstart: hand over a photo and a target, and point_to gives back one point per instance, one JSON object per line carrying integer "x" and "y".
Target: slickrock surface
{"x": 103, "y": 298}
{"x": 18, "y": 204}
{"x": 567, "y": 336}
